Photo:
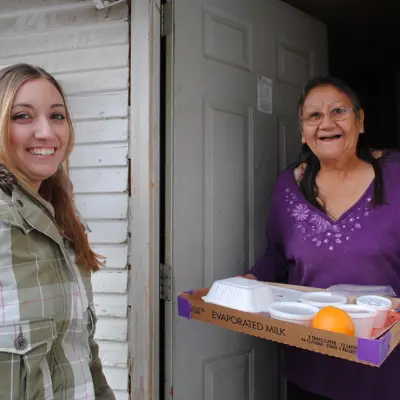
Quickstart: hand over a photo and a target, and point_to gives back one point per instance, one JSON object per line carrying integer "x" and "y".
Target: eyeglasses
{"x": 336, "y": 114}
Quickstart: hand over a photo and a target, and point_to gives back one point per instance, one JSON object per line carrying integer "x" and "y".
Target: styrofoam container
{"x": 322, "y": 299}
{"x": 363, "y": 318}
{"x": 284, "y": 294}
{"x": 240, "y": 294}
{"x": 294, "y": 312}
{"x": 379, "y": 303}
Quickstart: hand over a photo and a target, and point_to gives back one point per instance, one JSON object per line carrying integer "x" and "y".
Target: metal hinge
{"x": 165, "y": 282}
{"x": 166, "y": 19}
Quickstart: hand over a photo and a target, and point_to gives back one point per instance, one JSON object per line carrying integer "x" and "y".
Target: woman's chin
{"x": 39, "y": 173}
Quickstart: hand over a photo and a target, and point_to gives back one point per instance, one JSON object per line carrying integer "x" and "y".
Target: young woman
{"x": 47, "y": 318}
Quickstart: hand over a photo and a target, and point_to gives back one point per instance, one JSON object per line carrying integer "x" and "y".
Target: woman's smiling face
{"x": 39, "y": 130}
{"x": 330, "y": 123}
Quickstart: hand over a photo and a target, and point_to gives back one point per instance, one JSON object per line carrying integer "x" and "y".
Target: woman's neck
{"x": 341, "y": 167}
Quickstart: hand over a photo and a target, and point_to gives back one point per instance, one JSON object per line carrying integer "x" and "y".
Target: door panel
{"x": 227, "y": 140}
{"x": 289, "y": 140}
{"x": 229, "y": 377}
{"x": 223, "y": 156}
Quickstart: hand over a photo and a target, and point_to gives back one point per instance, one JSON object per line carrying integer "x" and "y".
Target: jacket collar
{"x": 36, "y": 213}
{"x": 7, "y": 180}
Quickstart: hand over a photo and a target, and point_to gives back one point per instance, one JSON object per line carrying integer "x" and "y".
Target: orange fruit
{"x": 334, "y": 319}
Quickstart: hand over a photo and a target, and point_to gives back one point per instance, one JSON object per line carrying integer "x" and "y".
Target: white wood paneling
{"x": 100, "y": 180}
{"x": 64, "y": 39}
{"x": 114, "y": 281}
{"x": 77, "y": 59}
{"x": 103, "y": 206}
{"x": 19, "y": 6}
{"x": 100, "y": 155}
{"x": 87, "y": 50}
{"x": 108, "y": 231}
{"x": 114, "y": 329}
{"x": 94, "y": 81}
{"x": 117, "y": 378}
{"x": 114, "y": 354}
{"x": 99, "y": 106}
{"x": 109, "y": 130}
{"x": 117, "y": 255}
{"x": 48, "y": 20}
{"x": 111, "y": 305}
{"x": 119, "y": 395}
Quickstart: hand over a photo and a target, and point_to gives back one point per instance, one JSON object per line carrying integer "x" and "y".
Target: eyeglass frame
{"x": 353, "y": 109}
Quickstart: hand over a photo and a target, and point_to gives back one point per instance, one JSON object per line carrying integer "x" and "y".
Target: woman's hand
{"x": 249, "y": 276}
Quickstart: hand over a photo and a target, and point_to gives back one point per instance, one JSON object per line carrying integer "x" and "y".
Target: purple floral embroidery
{"x": 300, "y": 212}
{"x": 320, "y": 230}
{"x": 321, "y": 225}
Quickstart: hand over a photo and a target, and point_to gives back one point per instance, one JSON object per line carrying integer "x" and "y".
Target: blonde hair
{"x": 56, "y": 189}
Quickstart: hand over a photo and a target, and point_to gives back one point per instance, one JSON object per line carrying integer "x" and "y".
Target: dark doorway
{"x": 363, "y": 48}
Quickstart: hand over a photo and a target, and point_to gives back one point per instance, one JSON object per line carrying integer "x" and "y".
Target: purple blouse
{"x": 306, "y": 247}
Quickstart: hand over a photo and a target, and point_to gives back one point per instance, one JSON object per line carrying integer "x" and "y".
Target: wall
{"x": 88, "y": 51}
{"x": 368, "y": 64}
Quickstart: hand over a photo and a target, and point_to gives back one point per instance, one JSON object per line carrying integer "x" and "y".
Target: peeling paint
{"x": 139, "y": 392}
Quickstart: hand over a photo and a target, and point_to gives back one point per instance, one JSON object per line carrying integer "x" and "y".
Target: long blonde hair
{"x": 55, "y": 189}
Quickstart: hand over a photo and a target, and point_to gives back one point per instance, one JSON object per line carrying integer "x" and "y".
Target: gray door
{"x": 224, "y": 153}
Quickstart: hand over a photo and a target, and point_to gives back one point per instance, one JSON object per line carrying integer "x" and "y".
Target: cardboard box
{"x": 371, "y": 352}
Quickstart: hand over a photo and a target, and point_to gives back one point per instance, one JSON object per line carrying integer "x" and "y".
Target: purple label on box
{"x": 184, "y": 306}
{"x": 374, "y": 351}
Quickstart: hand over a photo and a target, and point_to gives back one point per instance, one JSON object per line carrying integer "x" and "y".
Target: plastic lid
{"x": 322, "y": 299}
{"x": 293, "y": 310}
{"x": 378, "y": 302}
{"x": 358, "y": 311}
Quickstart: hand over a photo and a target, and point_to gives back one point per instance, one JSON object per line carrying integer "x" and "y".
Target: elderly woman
{"x": 335, "y": 219}
{"x": 47, "y": 318}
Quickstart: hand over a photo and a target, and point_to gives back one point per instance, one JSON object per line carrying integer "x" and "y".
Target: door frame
{"x": 144, "y": 155}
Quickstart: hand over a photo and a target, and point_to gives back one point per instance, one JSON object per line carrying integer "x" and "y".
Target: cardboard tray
{"x": 371, "y": 352}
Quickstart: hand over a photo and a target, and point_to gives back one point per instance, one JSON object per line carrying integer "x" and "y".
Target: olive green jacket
{"x": 47, "y": 317}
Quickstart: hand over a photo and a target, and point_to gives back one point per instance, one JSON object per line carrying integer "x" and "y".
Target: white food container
{"x": 379, "y": 303}
{"x": 363, "y": 318}
{"x": 240, "y": 294}
{"x": 296, "y": 313}
{"x": 322, "y": 299}
{"x": 284, "y": 294}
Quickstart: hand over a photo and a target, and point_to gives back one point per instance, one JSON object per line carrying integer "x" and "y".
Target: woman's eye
{"x": 57, "y": 116}
{"x": 20, "y": 116}
{"x": 314, "y": 115}
{"x": 339, "y": 110}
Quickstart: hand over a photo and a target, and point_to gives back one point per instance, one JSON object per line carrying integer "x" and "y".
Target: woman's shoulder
{"x": 286, "y": 180}
{"x": 387, "y": 155}
{"x": 389, "y": 161}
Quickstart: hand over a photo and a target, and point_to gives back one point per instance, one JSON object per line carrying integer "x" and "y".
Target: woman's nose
{"x": 43, "y": 129}
{"x": 326, "y": 122}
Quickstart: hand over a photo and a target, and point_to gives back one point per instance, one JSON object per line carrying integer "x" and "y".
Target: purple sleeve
{"x": 273, "y": 265}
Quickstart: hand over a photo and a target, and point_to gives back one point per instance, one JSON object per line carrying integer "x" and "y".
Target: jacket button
{"x": 20, "y": 343}
{"x": 20, "y": 203}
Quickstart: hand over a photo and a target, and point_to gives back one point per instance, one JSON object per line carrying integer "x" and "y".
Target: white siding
{"x": 87, "y": 50}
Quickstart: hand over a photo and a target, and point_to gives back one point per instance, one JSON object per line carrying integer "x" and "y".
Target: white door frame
{"x": 144, "y": 205}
